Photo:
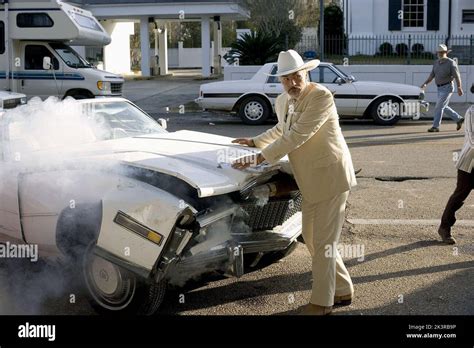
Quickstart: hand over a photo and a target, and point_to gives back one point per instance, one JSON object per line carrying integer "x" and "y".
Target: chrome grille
{"x": 272, "y": 214}
{"x": 11, "y": 103}
{"x": 116, "y": 88}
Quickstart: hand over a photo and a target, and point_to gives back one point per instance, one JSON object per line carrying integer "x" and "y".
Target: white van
{"x": 37, "y": 59}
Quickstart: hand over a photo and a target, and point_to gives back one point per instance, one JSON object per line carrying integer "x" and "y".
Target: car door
{"x": 10, "y": 226}
{"x": 345, "y": 94}
{"x": 273, "y": 88}
{"x": 34, "y": 80}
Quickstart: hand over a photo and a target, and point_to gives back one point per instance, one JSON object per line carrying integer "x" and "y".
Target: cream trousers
{"x": 322, "y": 226}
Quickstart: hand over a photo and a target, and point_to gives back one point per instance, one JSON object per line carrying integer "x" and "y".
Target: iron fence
{"x": 388, "y": 49}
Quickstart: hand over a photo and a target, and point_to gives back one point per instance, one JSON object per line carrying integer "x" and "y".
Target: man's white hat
{"x": 443, "y": 48}
{"x": 290, "y": 62}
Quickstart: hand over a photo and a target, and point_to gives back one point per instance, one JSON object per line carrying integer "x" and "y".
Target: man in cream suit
{"x": 308, "y": 132}
{"x": 465, "y": 181}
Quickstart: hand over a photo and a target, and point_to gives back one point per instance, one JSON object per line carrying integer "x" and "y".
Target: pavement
{"x": 406, "y": 179}
{"x": 392, "y": 215}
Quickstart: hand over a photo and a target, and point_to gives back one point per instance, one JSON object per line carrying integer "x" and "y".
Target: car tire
{"x": 114, "y": 290}
{"x": 269, "y": 258}
{"x": 254, "y": 110}
{"x": 278, "y": 255}
{"x": 384, "y": 112}
{"x": 80, "y": 96}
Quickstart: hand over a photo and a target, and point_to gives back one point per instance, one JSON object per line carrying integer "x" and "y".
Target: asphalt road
{"x": 407, "y": 176}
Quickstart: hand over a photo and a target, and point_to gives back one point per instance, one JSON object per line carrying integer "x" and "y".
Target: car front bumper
{"x": 228, "y": 256}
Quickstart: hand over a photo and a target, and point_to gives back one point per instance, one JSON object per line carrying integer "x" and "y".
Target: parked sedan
{"x": 137, "y": 207}
{"x": 253, "y": 100}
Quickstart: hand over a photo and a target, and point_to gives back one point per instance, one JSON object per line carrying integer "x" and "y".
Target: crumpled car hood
{"x": 197, "y": 158}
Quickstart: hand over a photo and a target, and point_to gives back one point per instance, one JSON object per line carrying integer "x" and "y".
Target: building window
{"x": 34, "y": 20}
{"x": 414, "y": 13}
{"x": 468, "y": 16}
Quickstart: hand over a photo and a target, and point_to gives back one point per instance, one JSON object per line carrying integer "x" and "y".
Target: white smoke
{"x": 51, "y": 124}
{"x": 42, "y": 136}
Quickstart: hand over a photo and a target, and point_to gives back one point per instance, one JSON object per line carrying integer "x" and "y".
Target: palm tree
{"x": 255, "y": 48}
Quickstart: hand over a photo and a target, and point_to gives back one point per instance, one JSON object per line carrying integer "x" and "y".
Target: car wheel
{"x": 385, "y": 112}
{"x": 254, "y": 111}
{"x": 115, "y": 290}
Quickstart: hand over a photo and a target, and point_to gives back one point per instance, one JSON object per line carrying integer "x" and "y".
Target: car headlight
{"x": 23, "y": 100}
{"x": 422, "y": 95}
{"x": 133, "y": 225}
{"x": 104, "y": 86}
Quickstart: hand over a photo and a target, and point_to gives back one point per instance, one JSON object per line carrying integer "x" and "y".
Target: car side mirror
{"x": 163, "y": 123}
{"x": 352, "y": 78}
{"x": 47, "y": 65}
{"x": 339, "y": 81}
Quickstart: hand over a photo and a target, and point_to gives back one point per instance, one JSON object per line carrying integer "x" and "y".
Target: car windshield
{"x": 119, "y": 119}
{"x": 69, "y": 56}
{"x": 30, "y": 131}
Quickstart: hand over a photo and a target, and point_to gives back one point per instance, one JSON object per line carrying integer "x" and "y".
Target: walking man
{"x": 465, "y": 181}
{"x": 308, "y": 132}
{"x": 445, "y": 70}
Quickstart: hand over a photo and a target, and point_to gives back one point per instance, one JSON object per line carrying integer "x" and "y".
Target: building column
{"x": 206, "y": 46}
{"x": 117, "y": 57}
{"x": 217, "y": 45}
{"x": 163, "y": 48}
{"x": 145, "y": 46}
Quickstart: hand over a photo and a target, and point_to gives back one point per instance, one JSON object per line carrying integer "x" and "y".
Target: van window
{"x": 34, "y": 20}
{"x": 2, "y": 37}
{"x": 34, "y": 55}
{"x": 1, "y": 137}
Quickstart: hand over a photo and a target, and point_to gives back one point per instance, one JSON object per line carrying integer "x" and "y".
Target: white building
{"x": 118, "y": 18}
{"x": 426, "y": 21}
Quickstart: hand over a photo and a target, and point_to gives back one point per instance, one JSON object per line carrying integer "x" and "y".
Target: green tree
{"x": 278, "y": 18}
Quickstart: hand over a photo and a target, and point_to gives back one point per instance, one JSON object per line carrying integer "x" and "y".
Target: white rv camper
{"x": 35, "y": 56}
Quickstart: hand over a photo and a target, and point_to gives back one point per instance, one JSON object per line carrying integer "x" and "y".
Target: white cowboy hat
{"x": 290, "y": 62}
{"x": 443, "y": 48}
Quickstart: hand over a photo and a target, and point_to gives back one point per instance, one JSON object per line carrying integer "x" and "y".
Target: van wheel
{"x": 114, "y": 290}
{"x": 254, "y": 110}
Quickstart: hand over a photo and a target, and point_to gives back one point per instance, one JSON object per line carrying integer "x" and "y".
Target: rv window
{"x": 34, "y": 20}
{"x": 69, "y": 56}
{"x": 34, "y": 55}
{"x": 87, "y": 22}
{"x": 2, "y": 37}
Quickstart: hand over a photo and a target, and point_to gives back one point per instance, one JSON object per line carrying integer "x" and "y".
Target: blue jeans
{"x": 444, "y": 95}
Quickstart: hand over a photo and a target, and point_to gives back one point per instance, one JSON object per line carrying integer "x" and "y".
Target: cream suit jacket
{"x": 466, "y": 158}
{"x": 313, "y": 140}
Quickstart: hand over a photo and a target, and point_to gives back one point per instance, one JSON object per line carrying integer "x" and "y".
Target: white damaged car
{"x": 253, "y": 100}
{"x": 100, "y": 183}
